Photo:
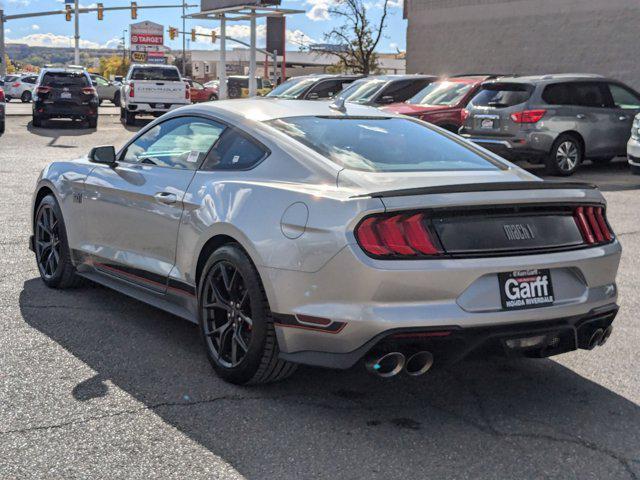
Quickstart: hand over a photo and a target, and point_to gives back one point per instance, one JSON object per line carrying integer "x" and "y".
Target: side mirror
{"x": 105, "y": 155}
{"x": 313, "y": 96}
{"x": 387, "y": 99}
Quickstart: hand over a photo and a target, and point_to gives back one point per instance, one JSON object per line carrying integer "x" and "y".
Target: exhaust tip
{"x": 387, "y": 365}
{"x": 596, "y": 338}
{"x": 605, "y": 335}
{"x": 419, "y": 363}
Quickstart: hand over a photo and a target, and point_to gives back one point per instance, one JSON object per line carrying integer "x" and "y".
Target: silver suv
{"x": 558, "y": 120}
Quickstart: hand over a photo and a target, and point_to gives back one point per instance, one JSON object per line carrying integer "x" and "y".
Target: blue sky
{"x": 302, "y": 28}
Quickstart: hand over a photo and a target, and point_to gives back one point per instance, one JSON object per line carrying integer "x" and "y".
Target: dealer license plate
{"x": 525, "y": 289}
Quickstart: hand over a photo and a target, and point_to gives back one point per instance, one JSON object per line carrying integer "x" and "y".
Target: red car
{"x": 201, "y": 93}
{"x": 441, "y": 102}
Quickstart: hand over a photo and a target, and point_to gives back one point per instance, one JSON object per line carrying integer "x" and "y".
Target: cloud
{"x": 243, "y": 32}
{"x": 53, "y": 40}
{"x": 35, "y": 27}
{"x": 319, "y": 10}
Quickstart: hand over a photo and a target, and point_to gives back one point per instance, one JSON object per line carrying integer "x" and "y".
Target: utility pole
{"x": 252, "y": 56}
{"x": 184, "y": 38}
{"x": 76, "y": 53}
{"x": 222, "y": 65}
{"x": 3, "y": 63}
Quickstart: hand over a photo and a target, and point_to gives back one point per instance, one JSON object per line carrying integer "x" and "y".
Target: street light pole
{"x": 222, "y": 64}
{"x": 252, "y": 57}
{"x": 184, "y": 38}
{"x": 76, "y": 53}
{"x": 3, "y": 60}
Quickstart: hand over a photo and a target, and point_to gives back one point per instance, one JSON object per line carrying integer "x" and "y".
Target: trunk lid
{"x": 152, "y": 91}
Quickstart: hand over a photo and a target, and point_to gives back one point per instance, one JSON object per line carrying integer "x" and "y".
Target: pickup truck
{"x": 152, "y": 90}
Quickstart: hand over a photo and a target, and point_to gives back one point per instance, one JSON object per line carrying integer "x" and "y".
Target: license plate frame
{"x": 526, "y": 289}
{"x": 65, "y": 95}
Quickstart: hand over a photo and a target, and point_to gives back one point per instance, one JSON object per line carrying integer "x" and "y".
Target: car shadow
{"x": 480, "y": 419}
{"x": 139, "y": 124}
{"x": 57, "y": 129}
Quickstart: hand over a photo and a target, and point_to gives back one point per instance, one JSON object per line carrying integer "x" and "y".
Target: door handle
{"x": 166, "y": 197}
{"x": 581, "y": 116}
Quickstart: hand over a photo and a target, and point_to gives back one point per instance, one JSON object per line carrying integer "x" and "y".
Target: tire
{"x": 565, "y": 156}
{"x": 122, "y": 111}
{"x": 2, "y": 127}
{"x": 93, "y": 122}
{"x": 241, "y": 305}
{"x": 60, "y": 273}
{"x": 36, "y": 121}
{"x": 25, "y": 97}
{"x": 116, "y": 99}
{"x": 7, "y": 98}
{"x": 601, "y": 160}
{"x": 635, "y": 169}
{"x": 129, "y": 117}
{"x": 213, "y": 98}
{"x": 100, "y": 102}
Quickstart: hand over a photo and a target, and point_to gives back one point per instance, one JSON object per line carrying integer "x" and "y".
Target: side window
{"x": 591, "y": 94}
{"x": 100, "y": 81}
{"x": 624, "y": 98}
{"x": 557, "y": 94}
{"x": 401, "y": 91}
{"x": 326, "y": 89}
{"x": 181, "y": 142}
{"x": 235, "y": 151}
{"x": 198, "y": 85}
{"x": 29, "y": 79}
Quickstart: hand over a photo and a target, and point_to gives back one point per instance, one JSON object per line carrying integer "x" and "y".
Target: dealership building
{"x": 524, "y": 37}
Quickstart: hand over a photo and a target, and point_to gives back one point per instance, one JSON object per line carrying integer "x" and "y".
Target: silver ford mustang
{"x": 308, "y": 233}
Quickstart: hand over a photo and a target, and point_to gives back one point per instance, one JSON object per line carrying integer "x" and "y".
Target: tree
{"x": 357, "y": 35}
{"x": 10, "y": 66}
{"x": 114, "y": 65}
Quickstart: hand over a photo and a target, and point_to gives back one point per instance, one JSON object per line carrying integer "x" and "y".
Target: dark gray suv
{"x": 559, "y": 120}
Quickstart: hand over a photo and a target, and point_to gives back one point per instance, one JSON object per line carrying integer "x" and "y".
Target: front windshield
{"x": 291, "y": 88}
{"x": 362, "y": 91}
{"x": 441, "y": 94}
{"x": 383, "y": 144}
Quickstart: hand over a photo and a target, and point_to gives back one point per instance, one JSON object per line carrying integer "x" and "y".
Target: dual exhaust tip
{"x": 390, "y": 364}
{"x": 598, "y": 338}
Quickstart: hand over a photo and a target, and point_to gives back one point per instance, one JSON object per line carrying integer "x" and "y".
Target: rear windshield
{"x": 65, "y": 79}
{"x": 379, "y": 144}
{"x": 155, "y": 73}
{"x": 292, "y": 88}
{"x": 441, "y": 94}
{"x": 502, "y": 95}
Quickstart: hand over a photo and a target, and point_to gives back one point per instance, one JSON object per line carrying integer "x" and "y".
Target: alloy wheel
{"x": 227, "y": 314}
{"x": 567, "y": 156}
{"x": 47, "y": 242}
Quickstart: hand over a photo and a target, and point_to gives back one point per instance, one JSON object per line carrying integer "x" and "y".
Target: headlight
{"x": 635, "y": 129}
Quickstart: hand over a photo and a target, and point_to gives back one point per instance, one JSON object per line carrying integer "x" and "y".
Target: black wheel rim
{"x": 226, "y": 306}
{"x": 47, "y": 242}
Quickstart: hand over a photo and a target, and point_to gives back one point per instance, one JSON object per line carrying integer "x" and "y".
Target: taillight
{"x": 528, "y": 116}
{"x": 89, "y": 91}
{"x": 132, "y": 93}
{"x": 1, "y": 95}
{"x": 43, "y": 90}
{"x": 464, "y": 114}
{"x": 593, "y": 225}
{"x": 187, "y": 93}
{"x": 16, "y": 85}
{"x": 404, "y": 235}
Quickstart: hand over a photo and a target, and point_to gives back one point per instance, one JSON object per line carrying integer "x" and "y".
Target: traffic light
{"x": 193, "y": 34}
{"x": 134, "y": 10}
{"x": 173, "y": 33}
{"x": 213, "y": 36}
{"x": 100, "y": 11}
{"x": 67, "y": 13}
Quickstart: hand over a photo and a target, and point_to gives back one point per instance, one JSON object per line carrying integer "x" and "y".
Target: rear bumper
{"x": 451, "y": 344}
{"x": 153, "y": 107}
{"x": 365, "y": 298}
{"x": 524, "y": 147}
{"x": 58, "y": 110}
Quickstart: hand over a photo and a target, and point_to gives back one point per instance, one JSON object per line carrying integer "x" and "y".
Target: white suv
{"x": 21, "y": 87}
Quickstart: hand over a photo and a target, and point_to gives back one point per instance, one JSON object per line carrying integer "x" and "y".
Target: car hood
{"x": 413, "y": 110}
{"x": 363, "y": 183}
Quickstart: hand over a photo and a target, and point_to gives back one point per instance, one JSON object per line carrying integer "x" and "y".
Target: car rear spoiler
{"x": 481, "y": 187}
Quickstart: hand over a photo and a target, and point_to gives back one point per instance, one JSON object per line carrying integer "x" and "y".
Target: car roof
{"x": 550, "y": 78}
{"x": 416, "y": 76}
{"x": 63, "y": 70}
{"x": 154, "y": 65}
{"x": 264, "y": 109}
{"x": 324, "y": 76}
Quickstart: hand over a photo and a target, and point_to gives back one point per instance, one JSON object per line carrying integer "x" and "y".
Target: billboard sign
{"x": 145, "y": 37}
{"x": 156, "y": 57}
{"x": 276, "y": 34}
{"x": 207, "y": 5}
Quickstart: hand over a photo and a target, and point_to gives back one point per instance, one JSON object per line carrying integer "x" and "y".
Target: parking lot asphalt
{"x": 96, "y": 385}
